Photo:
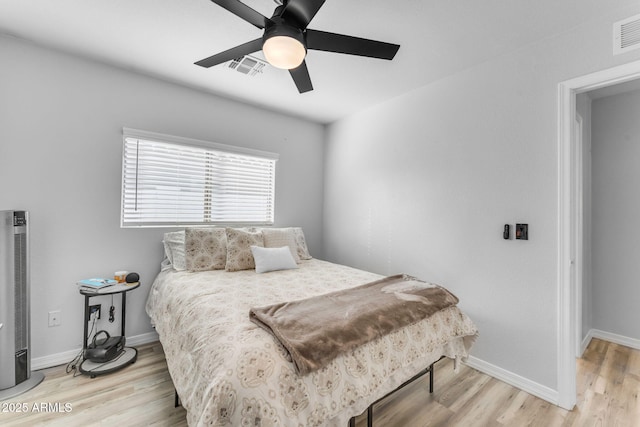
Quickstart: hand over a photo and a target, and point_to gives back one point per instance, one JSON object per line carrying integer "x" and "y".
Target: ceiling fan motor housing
{"x": 278, "y": 27}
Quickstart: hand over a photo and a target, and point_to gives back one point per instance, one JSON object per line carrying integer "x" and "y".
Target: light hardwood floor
{"x": 142, "y": 395}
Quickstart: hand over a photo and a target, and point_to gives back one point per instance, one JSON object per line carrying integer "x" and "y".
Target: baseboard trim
{"x": 67, "y": 356}
{"x": 585, "y": 343}
{"x": 614, "y": 338}
{"x": 515, "y": 380}
{"x": 143, "y": 338}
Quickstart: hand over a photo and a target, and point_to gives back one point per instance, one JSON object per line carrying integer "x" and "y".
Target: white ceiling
{"x": 164, "y": 38}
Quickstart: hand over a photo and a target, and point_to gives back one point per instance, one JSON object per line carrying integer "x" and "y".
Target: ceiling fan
{"x": 286, "y": 39}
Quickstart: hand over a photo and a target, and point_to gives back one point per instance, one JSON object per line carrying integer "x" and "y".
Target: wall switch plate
{"x": 522, "y": 231}
{"x": 55, "y": 318}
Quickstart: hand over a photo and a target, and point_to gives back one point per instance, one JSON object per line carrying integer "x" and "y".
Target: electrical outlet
{"x": 55, "y": 318}
{"x": 95, "y": 309}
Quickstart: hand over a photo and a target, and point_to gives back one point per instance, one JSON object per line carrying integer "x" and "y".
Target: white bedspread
{"x": 228, "y": 371}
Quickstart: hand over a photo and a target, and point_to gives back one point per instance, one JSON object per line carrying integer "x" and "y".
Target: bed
{"x": 229, "y": 371}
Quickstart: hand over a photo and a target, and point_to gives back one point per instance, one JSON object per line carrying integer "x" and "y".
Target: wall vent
{"x": 248, "y": 65}
{"x": 626, "y": 35}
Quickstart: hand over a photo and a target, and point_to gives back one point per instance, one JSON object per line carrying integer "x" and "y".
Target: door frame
{"x": 569, "y": 283}
{"x": 578, "y": 226}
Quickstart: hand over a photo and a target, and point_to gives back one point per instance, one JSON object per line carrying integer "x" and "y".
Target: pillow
{"x": 279, "y": 237}
{"x": 273, "y": 259}
{"x": 174, "y": 249}
{"x": 301, "y": 243}
{"x": 205, "y": 249}
{"x": 239, "y": 242}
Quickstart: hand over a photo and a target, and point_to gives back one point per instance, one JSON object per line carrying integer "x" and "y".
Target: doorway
{"x": 570, "y": 221}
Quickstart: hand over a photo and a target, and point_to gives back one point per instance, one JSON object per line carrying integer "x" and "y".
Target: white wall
{"x": 616, "y": 209}
{"x": 423, "y": 184}
{"x": 61, "y": 121}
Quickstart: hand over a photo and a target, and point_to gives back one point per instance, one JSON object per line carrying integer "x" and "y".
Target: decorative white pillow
{"x": 279, "y": 237}
{"x": 174, "y": 249}
{"x": 239, "y": 242}
{"x": 205, "y": 249}
{"x": 273, "y": 259}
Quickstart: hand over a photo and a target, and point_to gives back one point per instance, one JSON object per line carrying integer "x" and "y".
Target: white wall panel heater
{"x": 15, "y": 313}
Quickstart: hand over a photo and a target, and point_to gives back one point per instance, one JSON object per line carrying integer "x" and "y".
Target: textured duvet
{"x": 229, "y": 371}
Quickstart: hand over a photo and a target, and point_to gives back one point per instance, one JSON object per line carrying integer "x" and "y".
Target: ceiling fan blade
{"x": 339, "y": 43}
{"x": 301, "y": 11}
{"x": 243, "y": 11}
{"x": 301, "y": 78}
{"x": 233, "y": 53}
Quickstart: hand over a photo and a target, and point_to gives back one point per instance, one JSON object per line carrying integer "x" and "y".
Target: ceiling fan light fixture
{"x": 284, "y": 52}
{"x": 283, "y": 45}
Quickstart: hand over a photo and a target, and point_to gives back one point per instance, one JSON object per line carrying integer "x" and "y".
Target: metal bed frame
{"x": 429, "y": 370}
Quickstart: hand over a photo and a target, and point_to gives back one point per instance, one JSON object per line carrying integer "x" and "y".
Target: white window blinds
{"x": 168, "y": 181}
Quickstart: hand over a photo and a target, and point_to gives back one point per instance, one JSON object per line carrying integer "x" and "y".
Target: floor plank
{"x": 142, "y": 394}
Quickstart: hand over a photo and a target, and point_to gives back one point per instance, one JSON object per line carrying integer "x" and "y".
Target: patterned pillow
{"x": 279, "y": 237}
{"x": 303, "y": 251}
{"x": 205, "y": 249}
{"x": 239, "y": 242}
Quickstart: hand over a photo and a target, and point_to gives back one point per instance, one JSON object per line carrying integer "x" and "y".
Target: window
{"x": 169, "y": 181}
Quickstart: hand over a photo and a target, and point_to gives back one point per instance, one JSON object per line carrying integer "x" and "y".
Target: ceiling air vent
{"x": 248, "y": 65}
{"x": 626, "y": 35}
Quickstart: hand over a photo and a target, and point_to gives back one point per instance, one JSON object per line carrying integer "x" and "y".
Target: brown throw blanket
{"x": 316, "y": 330}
